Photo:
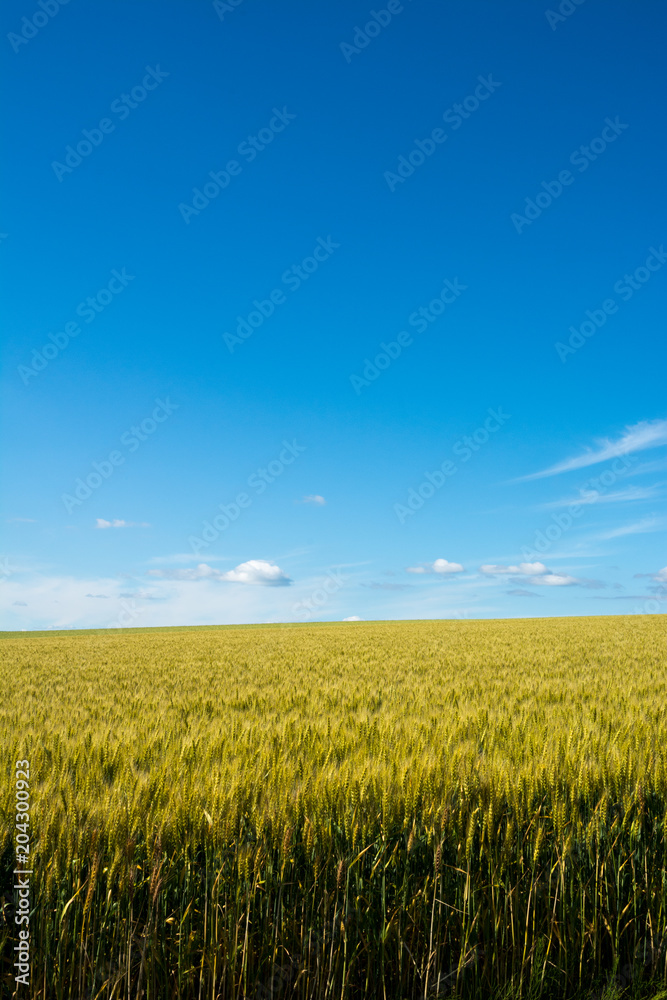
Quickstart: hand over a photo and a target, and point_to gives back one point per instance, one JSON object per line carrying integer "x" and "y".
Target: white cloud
{"x": 555, "y": 580}
{"x": 523, "y": 569}
{"x": 255, "y": 571}
{"x": 314, "y": 498}
{"x": 353, "y": 618}
{"x": 258, "y": 571}
{"x": 536, "y": 573}
{"x": 116, "y": 523}
{"x": 627, "y": 495}
{"x": 441, "y": 566}
{"x": 638, "y": 437}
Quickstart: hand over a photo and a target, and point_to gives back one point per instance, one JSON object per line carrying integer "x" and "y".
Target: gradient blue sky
{"x": 332, "y": 535}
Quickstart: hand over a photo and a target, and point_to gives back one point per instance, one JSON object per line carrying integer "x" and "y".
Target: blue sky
{"x": 314, "y": 313}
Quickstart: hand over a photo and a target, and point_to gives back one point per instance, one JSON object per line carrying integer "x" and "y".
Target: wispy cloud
{"x": 441, "y": 566}
{"x": 627, "y": 495}
{"x": 523, "y": 569}
{"x": 518, "y": 592}
{"x": 183, "y": 557}
{"x": 637, "y": 437}
{"x": 141, "y": 595}
{"x": 555, "y": 580}
{"x": 314, "y": 498}
{"x": 255, "y": 571}
{"x": 658, "y": 465}
{"x": 645, "y": 526}
{"x": 32, "y": 600}
{"x": 117, "y": 523}
{"x": 565, "y": 580}
{"x": 536, "y": 574}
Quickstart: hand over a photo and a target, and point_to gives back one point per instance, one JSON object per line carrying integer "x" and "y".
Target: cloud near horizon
{"x": 255, "y": 572}
{"x": 637, "y": 437}
{"x": 441, "y": 566}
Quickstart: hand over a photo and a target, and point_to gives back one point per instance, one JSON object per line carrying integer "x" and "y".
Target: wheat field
{"x": 381, "y": 809}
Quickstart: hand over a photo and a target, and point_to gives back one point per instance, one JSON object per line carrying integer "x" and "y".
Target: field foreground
{"x": 391, "y": 810}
